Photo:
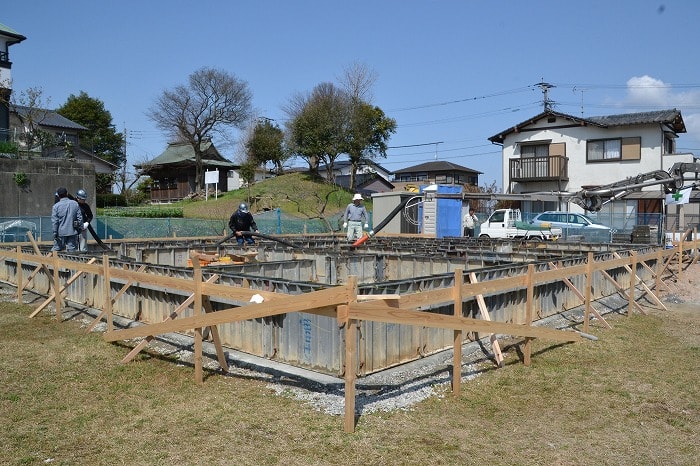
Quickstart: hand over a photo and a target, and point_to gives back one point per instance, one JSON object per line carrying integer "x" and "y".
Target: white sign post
{"x": 211, "y": 177}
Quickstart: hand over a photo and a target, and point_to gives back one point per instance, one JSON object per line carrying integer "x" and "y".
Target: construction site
{"x": 319, "y": 305}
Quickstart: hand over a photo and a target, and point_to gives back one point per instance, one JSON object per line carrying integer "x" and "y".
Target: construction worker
{"x": 355, "y": 215}
{"x": 242, "y": 221}
{"x": 66, "y": 220}
{"x": 81, "y": 197}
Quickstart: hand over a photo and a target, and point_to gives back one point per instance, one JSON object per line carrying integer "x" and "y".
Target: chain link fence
{"x": 271, "y": 222}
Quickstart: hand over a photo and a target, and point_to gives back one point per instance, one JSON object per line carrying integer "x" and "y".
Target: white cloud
{"x": 648, "y": 91}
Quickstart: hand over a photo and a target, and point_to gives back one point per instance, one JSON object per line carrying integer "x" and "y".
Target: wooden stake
{"x": 197, "y": 278}
{"x": 457, "y": 334}
{"x": 52, "y": 296}
{"x": 123, "y": 289}
{"x": 529, "y": 311}
{"x": 173, "y": 315}
{"x": 589, "y": 306}
{"x": 486, "y": 316}
{"x": 641, "y": 282}
{"x": 20, "y": 285}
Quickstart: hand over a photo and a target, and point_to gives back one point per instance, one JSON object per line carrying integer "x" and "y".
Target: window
{"x": 669, "y": 145}
{"x": 609, "y": 149}
{"x": 606, "y": 150}
{"x": 534, "y": 150}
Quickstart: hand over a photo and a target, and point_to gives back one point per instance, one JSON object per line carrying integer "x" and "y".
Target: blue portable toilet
{"x": 441, "y": 216}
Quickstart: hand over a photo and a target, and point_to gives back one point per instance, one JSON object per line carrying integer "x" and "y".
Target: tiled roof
{"x": 9, "y": 32}
{"x": 47, "y": 118}
{"x": 436, "y": 166}
{"x": 671, "y": 117}
{"x": 182, "y": 152}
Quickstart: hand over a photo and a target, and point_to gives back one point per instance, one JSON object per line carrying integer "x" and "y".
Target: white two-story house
{"x": 559, "y": 153}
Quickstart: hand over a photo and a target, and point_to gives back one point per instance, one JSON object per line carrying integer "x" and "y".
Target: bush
{"x": 110, "y": 200}
{"x": 7, "y": 147}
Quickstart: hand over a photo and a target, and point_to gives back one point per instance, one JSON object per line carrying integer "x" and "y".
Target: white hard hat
{"x": 357, "y": 197}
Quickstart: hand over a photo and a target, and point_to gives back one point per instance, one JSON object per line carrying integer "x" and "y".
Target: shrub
{"x": 110, "y": 200}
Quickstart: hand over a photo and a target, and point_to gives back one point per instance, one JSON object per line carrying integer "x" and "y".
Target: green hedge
{"x": 110, "y": 200}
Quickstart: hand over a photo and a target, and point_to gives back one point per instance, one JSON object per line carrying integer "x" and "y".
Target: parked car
{"x": 574, "y": 224}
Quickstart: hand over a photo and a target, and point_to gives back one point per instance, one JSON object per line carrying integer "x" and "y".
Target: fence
{"x": 272, "y": 222}
{"x": 343, "y": 303}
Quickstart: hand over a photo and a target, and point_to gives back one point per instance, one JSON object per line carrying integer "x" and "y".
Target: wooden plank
{"x": 184, "y": 305}
{"x": 197, "y": 310}
{"x": 107, "y": 286}
{"x": 20, "y": 280}
{"x": 292, "y": 303}
{"x": 368, "y": 311}
{"x": 620, "y": 289}
{"x": 350, "y": 363}
{"x": 457, "y": 334}
{"x": 486, "y": 316}
{"x": 575, "y": 290}
{"x": 494, "y": 286}
{"x": 529, "y": 305}
{"x": 121, "y": 291}
{"x": 221, "y": 356}
{"x": 52, "y": 296}
{"x": 644, "y": 285}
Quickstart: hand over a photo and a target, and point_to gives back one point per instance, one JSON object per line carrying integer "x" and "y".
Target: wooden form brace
{"x": 342, "y": 302}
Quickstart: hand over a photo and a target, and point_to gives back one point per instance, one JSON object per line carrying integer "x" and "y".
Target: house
{"x": 44, "y": 133}
{"x": 436, "y": 172}
{"x": 370, "y": 177}
{"x": 556, "y": 152}
{"x": 173, "y": 171}
{"x": 8, "y": 37}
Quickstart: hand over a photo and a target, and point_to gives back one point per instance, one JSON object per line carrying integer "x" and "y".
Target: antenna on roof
{"x": 545, "y": 87}
{"x": 436, "y": 148}
{"x": 581, "y": 90}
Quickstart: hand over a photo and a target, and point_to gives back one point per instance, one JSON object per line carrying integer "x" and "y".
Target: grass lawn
{"x": 632, "y": 397}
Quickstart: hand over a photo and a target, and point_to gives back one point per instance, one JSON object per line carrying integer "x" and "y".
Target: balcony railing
{"x": 555, "y": 167}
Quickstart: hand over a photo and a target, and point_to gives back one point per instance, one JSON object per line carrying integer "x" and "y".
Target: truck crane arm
{"x": 671, "y": 181}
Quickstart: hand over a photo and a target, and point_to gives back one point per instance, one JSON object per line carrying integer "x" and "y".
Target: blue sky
{"x": 452, "y": 73}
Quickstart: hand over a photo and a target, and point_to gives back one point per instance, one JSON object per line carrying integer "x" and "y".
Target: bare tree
{"x": 357, "y": 80}
{"x": 212, "y": 102}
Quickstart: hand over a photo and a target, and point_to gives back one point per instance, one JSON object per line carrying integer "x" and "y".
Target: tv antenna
{"x": 581, "y": 90}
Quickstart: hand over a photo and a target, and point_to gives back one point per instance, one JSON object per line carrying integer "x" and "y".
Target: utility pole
{"x": 545, "y": 87}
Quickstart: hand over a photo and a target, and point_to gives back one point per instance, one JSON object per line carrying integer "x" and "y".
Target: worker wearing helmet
{"x": 355, "y": 215}
{"x": 242, "y": 221}
{"x": 81, "y": 197}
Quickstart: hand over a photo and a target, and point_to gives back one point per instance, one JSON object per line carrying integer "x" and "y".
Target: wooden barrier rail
{"x": 343, "y": 303}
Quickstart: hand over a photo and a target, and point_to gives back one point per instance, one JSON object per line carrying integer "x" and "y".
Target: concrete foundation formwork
{"x": 386, "y": 266}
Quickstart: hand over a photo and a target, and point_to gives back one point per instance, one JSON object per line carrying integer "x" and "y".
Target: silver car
{"x": 573, "y": 224}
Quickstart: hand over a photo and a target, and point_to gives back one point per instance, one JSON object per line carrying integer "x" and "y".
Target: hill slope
{"x": 295, "y": 194}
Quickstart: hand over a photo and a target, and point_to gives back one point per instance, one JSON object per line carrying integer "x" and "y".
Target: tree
{"x": 212, "y": 102}
{"x": 370, "y": 128}
{"x": 266, "y": 144}
{"x": 34, "y": 111}
{"x": 318, "y": 126}
{"x": 369, "y": 132}
{"x": 101, "y": 137}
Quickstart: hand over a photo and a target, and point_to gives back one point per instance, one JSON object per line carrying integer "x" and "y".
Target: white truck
{"x": 507, "y": 223}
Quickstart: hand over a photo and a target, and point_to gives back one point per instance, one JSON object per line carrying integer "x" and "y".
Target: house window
{"x": 669, "y": 145}
{"x": 534, "y": 150}
{"x": 604, "y": 150}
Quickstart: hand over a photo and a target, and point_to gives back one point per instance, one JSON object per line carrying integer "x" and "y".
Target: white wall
{"x": 580, "y": 172}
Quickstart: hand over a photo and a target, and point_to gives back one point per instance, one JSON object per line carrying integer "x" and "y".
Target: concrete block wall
{"x": 45, "y": 175}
